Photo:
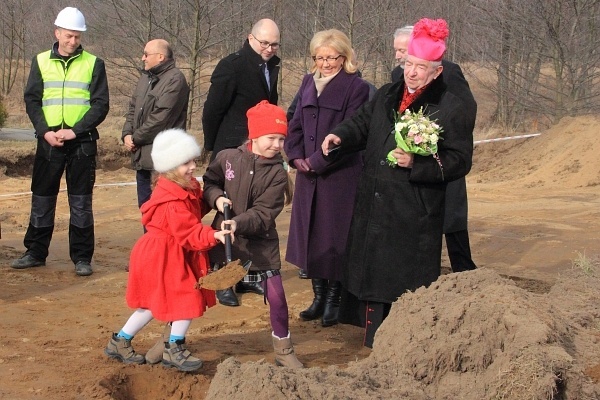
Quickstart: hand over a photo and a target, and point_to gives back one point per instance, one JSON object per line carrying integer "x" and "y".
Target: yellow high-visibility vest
{"x": 66, "y": 96}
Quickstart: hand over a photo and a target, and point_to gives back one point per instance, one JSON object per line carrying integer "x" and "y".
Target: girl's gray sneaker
{"x": 121, "y": 349}
{"x": 177, "y": 356}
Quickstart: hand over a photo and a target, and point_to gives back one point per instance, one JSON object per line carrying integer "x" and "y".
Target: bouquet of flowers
{"x": 415, "y": 133}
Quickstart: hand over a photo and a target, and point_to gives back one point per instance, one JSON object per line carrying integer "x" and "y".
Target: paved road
{"x": 20, "y": 134}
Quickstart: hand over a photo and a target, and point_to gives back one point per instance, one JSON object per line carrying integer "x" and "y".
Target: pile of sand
{"x": 469, "y": 336}
{"x": 566, "y": 156}
{"x": 473, "y": 335}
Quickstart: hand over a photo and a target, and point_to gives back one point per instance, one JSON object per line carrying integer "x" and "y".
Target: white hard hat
{"x": 72, "y": 19}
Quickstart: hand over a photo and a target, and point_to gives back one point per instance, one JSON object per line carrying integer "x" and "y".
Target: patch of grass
{"x": 584, "y": 263}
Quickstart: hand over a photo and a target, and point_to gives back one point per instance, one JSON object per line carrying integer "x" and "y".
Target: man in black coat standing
{"x": 456, "y": 205}
{"x": 240, "y": 81}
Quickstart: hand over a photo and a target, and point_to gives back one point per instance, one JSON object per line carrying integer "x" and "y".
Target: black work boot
{"x": 227, "y": 297}
{"x": 315, "y": 310}
{"x": 332, "y": 304}
{"x": 27, "y": 261}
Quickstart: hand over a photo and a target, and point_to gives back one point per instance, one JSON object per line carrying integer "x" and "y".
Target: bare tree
{"x": 572, "y": 30}
{"x": 13, "y": 42}
{"x": 542, "y": 54}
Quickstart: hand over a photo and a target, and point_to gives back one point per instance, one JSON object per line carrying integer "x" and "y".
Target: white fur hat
{"x": 172, "y": 148}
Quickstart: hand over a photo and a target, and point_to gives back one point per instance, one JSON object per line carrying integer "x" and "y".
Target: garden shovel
{"x": 232, "y": 272}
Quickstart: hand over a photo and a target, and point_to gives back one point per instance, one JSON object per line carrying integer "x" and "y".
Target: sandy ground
{"x": 534, "y": 209}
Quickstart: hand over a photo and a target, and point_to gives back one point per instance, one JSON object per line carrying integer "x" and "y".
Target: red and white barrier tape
{"x": 507, "y": 138}
{"x": 200, "y": 178}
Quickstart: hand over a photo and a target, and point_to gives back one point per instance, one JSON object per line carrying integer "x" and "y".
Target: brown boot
{"x": 121, "y": 349}
{"x": 155, "y": 354}
{"x": 284, "y": 352}
{"x": 177, "y": 356}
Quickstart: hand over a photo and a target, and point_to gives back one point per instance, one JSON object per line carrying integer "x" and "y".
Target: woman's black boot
{"x": 315, "y": 310}
{"x": 332, "y": 304}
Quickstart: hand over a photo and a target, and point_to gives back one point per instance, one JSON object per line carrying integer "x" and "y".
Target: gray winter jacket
{"x": 159, "y": 102}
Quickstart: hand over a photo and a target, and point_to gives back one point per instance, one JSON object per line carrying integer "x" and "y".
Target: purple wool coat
{"x": 323, "y": 200}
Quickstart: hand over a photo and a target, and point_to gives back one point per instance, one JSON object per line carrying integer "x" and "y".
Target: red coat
{"x": 167, "y": 261}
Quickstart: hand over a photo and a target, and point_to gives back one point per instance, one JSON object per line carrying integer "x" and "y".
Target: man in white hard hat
{"x": 66, "y": 98}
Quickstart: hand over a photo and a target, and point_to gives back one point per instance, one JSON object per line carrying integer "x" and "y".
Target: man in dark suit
{"x": 456, "y": 208}
{"x": 240, "y": 81}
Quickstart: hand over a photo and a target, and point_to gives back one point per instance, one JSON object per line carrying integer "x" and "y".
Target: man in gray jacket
{"x": 159, "y": 102}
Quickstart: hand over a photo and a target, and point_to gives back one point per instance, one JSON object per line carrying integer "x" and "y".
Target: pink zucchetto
{"x": 428, "y": 39}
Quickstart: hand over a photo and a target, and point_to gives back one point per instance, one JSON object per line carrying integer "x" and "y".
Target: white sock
{"x": 179, "y": 328}
{"x": 137, "y": 321}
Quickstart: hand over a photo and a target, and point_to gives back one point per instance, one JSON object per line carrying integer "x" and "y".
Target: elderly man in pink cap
{"x": 395, "y": 238}
{"x": 456, "y": 214}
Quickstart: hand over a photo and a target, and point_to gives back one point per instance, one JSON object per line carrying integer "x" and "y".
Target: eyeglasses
{"x": 149, "y": 54}
{"x": 329, "y": 59}
{"x": 265, "y": 45}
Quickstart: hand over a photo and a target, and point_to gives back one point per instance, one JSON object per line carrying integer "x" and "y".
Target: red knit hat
{"x": 264, "y": 119}
{"x": 428, "y": 39}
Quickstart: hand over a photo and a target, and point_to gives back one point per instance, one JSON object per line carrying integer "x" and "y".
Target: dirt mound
{"x": 112, "y": 154}
{"x": 566, "y": 155}
{"x": 469, "y": 336}
{"x": 16, "y": 158}
{"x": 472, "y": 336}
{"x": 262, "y": 380}
{"x": 123, "y": 385}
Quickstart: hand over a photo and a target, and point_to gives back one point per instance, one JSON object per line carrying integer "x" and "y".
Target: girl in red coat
{"x": 167, "y": 261}
{"x": 256, "y": 183}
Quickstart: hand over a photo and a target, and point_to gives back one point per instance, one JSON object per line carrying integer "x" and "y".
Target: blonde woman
{"x": 324, "y": 194}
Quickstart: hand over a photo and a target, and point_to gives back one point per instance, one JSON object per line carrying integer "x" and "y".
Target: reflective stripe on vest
{"x": 66, "y": 96}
